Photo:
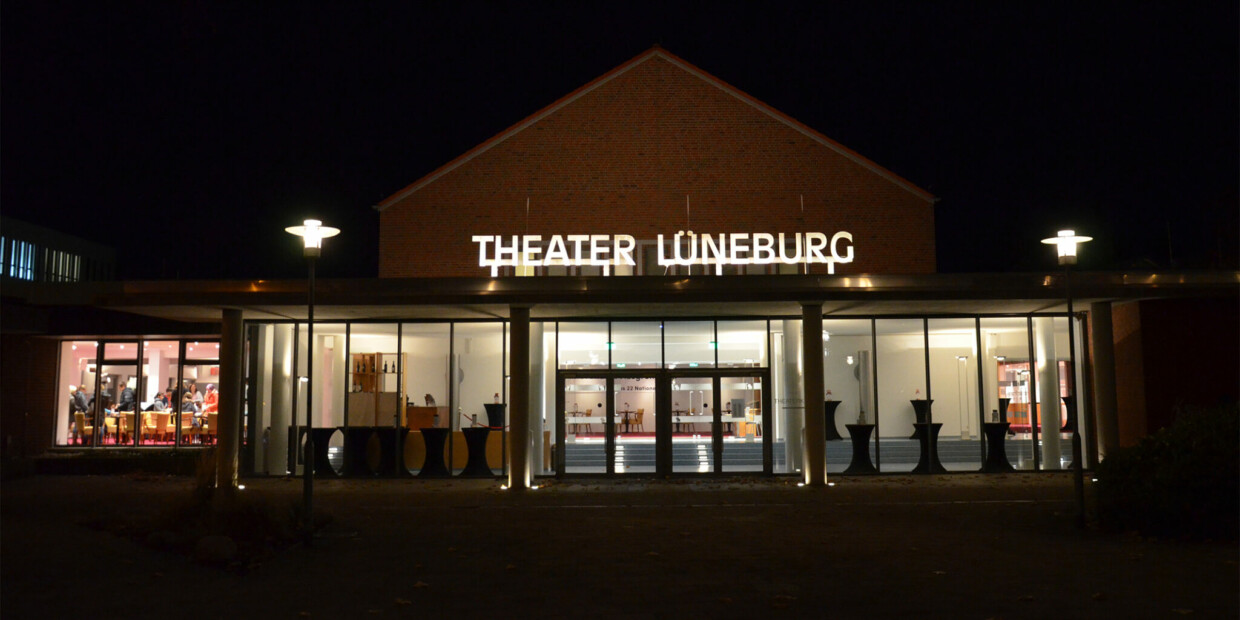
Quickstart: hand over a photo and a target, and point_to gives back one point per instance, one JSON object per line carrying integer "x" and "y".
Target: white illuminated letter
{"x": 763, "y": 248}
{"x": 848, "y": 256}
{"x": 578, "y": 258}
{"x": 482, "y": 241}
{"x": 624, "y": 250}
{"x": 598, "y": 249}
{"x": 557, "y": 254}
{"x": 502, "y": 250}
{"x": 783, "y": 254}
{"x": 663, "y": 260}
{"x": 530, "y": 250}
{"x": 715, "y": 254}
{"x": 815, "y": 243}
{"x": 740, "y": 244}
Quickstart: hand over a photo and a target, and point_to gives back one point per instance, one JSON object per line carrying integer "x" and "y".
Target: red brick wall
{"x": 1169, "y": 353}
{"x": 27, "y": 394}
{"x": 621, "y": 159}
{"x": 1129, "y": 372}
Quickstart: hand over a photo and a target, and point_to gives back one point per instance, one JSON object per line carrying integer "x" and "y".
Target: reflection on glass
{"x": 789, "y": 401}
{"x": 636, "y": 345}
{"x": 583, "y": 345}
{"x": 689, "y": 344}
{"x": 742, "y": 344}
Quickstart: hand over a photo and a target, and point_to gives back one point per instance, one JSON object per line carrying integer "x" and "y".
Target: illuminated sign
{"x": 684, "y": 248}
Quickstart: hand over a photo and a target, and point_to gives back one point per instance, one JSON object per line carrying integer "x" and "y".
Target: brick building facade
{"x": 654, "y": 147}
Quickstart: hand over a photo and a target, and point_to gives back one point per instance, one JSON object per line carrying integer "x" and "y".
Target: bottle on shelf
{"x": 385, "y": 367}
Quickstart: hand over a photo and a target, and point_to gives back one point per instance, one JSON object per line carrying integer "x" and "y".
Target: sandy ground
{"x": 959, "y": 546}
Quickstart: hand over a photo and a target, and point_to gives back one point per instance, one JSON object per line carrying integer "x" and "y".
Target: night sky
{"x": 187, "y": 135}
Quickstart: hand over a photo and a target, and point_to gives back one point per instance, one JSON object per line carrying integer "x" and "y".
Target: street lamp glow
{"x": 313, "y": 232}
{"x": 1065, "y": 243}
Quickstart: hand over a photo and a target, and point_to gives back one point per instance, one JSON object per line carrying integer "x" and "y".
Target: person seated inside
{"x": 211, "y": 402}
{"x": 188, "y": 406}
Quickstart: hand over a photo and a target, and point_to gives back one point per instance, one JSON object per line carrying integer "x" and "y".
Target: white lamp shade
{"x": 1065, "y": 243}
{"x": 313, "y": 232}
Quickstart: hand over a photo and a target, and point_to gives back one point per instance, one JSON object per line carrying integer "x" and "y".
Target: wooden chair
{"x": 83, "y": 431}
{"x": 126, "y": 427}
{"x": 637, "y": 419}
{"x": 589, "y": 427}
{"x": 170, "y": 427}
{"x": 188, "y": 430}
{"x": 109, "y": 428}
{"x": 212, "y": 427}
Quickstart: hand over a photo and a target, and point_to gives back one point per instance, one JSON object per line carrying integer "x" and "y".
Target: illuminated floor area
{"x": 693, "y": 454}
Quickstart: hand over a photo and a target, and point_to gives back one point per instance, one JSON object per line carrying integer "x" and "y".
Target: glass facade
{"x": 697, "y": 396}
{"x": 137, "y": 392}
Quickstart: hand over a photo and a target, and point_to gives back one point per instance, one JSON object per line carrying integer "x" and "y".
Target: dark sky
{"x": 188, "y": 134}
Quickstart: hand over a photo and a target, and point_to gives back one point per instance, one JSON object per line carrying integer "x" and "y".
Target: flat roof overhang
{"x": 585, "y": 297}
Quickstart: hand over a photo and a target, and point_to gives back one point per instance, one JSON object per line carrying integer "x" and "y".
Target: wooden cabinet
{"x": 376, "y": 396}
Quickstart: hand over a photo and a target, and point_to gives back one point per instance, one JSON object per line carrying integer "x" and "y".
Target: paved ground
{"x": 960, "y": 546}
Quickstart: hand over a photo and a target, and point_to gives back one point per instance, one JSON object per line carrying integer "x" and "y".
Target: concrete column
{"x": 281, "y": 399}
{"x": 519, "y": 400}
{"x": 1102, "y": 339}
{"x": 792, "y": 402}
{"x": 1048, "y": 390}
{"x": 232, "y": 351}
{"x": 537, "y": 398}
{"x": 815, "y": 465}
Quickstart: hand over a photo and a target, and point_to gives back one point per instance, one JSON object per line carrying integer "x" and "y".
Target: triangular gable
{"x": 657, "y": 52}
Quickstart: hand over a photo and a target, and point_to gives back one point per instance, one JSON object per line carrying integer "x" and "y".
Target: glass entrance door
{"x": 694, "y": 424}
{"x": 662, "y": 423}
{"x": 743, "y": 445}
{"x": 634, "y": 401}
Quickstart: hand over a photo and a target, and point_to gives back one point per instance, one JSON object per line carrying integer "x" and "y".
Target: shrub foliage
{"x": 1183, "y": 481}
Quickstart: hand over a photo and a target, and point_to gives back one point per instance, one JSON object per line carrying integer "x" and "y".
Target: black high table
{"x": 476, "y": 442}
{"x": 861, "y": 463}
{"x": 996, "y": 452}
{"x": 433, "y": 465}
{"x": 928, "y": 436}
{"x": 829, "y": 407}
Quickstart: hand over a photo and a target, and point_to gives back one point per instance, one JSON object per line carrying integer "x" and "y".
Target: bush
{"x": 1183, "y": 481}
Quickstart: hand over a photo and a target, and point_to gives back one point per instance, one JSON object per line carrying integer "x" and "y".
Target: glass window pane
{"x": 479, "y": 375}
{"x": 742, "y": 344}
{"x": 741, "y": 418}
{"x": 585, "y": 426}
{"x": 583, "y": 345}
{"x": 789, "y": 401}
{"x": 953, "y": 382}
{"x": 901, "y": 391}
{"x": 120, "y": 351}
{"x": 636, "y": 345}
{"x": 426, "y": 353}
{"x": 689, "y": 344}
{"x": 374, "y": 396}
{"x": 1005, "y": 375}
{"x": 848, "y": 378}
{"x": 1052, "y": 376}
{"x": 76, "y": 393}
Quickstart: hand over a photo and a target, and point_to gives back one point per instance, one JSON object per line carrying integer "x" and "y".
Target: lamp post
{"x": 312, "y": 232}
{"x": 1066, "y": 242}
